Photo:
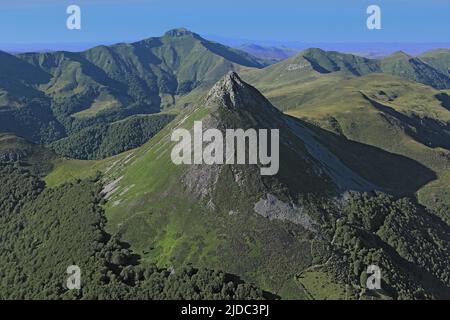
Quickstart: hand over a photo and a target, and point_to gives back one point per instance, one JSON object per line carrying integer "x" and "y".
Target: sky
{"x": 29, "y": 22}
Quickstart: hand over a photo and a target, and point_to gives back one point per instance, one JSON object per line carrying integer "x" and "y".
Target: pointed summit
{"x": 313, "y": 51}
{"x": 232, "y": 92}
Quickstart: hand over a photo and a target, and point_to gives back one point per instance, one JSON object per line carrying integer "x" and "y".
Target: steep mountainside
{"x": 312, "y": 63}
{"x": 289, "y": 233}
{"x": 18, "y": 80}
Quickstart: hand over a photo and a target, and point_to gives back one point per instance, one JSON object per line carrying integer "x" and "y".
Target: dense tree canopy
{"x": 43, "y": 231}
{"x": 103, "y": 140}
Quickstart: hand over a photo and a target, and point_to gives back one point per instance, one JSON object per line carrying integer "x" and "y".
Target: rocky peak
{"x": 400, "y": 55}
{"x": 232, "y": 93}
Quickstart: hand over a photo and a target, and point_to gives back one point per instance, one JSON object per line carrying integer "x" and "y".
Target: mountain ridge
{"x": 108, "y": 83}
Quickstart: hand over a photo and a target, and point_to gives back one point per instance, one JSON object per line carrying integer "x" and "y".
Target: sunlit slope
{"x": 279, "y": 232}
{"x": 439, "y": 59}
{"x": 48, "y": 96}
{"x": 147, "y": 74}
{"x": 178, "y": 214}
{"x": 397, "y": 115}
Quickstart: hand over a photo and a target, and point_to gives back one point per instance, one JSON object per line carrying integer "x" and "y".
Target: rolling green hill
{"x": 332, "y": 61}
{"x": 143, "y": 73}
{"x": 389, "y": 112}
{"x": 439, "y": 59}
{"x": 46, "y": 96}
{"x": 415, "y": 69}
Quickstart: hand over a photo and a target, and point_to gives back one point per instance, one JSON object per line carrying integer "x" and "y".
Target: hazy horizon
{"x": 322, "y": 21}
{"x": 377, "y": 48}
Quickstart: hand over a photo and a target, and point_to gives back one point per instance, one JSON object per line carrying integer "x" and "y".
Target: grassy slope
{"x": 309, "y": 64}
{"x": 48, "y": 96}
{"x": 346, "y": 110}
{"x": 151, "y": 210}
{"x": 439, "y": 59}
{"x": 319, "y": 286}
{"x": 162, "y": 223}
{"x": 111, "y": 77}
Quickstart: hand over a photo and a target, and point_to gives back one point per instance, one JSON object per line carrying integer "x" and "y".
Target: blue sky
{"x": 106, "y": 21}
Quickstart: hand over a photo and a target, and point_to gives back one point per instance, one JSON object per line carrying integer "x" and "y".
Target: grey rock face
{"x": 275, "y": 209}
{"x": 232, "y": 93}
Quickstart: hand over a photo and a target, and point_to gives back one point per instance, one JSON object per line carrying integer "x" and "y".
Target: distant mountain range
{"x": 257, "y": 47}
{"x": 374, "y": 51}
{"x": 268, "y": 53}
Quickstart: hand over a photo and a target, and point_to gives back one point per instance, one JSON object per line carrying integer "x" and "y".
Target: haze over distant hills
{"x": 370, "y": 50}
{"x": 15, "y": 48}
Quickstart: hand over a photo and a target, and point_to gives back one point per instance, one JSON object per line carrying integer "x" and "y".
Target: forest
{"x": 102, "y": 140}
{"x": 44, "y": 230}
